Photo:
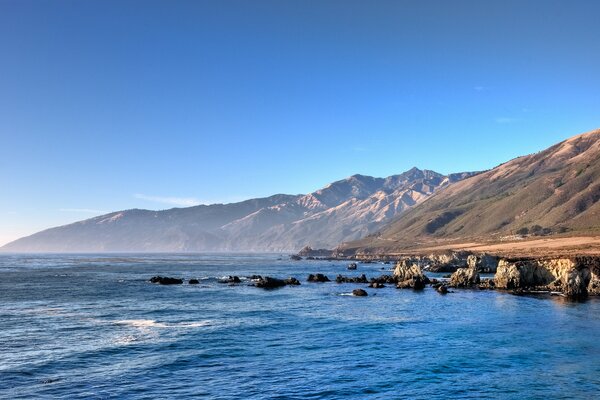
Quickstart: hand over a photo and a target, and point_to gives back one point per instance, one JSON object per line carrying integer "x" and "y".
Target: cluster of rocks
{"x": 272, "y": 283}
{"x": 573, "y": 277}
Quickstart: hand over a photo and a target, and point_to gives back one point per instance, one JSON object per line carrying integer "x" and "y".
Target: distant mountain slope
{"x": 344, "y": 210}
{"x": 550, "y": 192}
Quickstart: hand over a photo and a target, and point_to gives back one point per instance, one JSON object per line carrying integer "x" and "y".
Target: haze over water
{"x": 92, "y": 326}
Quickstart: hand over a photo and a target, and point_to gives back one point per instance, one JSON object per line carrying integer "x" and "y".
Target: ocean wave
{"x": 150, "y": 323}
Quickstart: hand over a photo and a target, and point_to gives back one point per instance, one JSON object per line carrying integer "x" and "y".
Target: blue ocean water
{"x": 91, "y": 326}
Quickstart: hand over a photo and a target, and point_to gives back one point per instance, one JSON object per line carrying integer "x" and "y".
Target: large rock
{"x": 165, "y": 280}
{"x": 359, "y": 292}
{"x": 269, "y": 283}
{"x": 464, "y": 277}
{"x": 575, "y": 277}
{"x": 407, "y": 269}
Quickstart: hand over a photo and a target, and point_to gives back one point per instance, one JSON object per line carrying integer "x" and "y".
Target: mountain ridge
{"x": 552, "y": 192}
{"x": 346, "y": 209}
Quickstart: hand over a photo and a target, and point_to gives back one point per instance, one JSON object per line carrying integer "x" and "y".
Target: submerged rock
{"x": 359, "y": 292}
{"x": 231, "y": 279}
{"x": 164, "y": 280}
{"x": 292, "y": 281}
{"x": 352, "y": 266}
{"x": 193, "y": 281}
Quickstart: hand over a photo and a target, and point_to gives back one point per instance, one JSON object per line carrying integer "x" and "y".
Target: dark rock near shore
{"x": 376, "y": 285}
{"x": 348, "y": 279}
{"x": 295, "y": 257}
{"x": 352, "y": 266}
{"x": 164, "y": 280}
{"x": 359, "y": 292}
{"x": 442, "y": 289}
{"x": 416, "y": 283}
{"x": 317, "y": 278}
{"x": 193, "y": 282}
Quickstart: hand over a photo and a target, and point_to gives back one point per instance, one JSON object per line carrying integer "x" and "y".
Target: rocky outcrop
{"x": 407, "y": 269}
{"x": 359, "y": 292}
{"x": 465, "y": 277}
{"x": 193, "y": 281}
{"x": 308, "y": 251}
{"x": 483, "y": 262}
{"x": 575, "y": 277}
{"x": 409, "y": 275}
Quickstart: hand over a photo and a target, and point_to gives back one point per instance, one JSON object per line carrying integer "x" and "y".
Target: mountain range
{"x": 342, "y": 211}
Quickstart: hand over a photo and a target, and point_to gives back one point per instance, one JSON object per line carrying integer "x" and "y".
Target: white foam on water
{"x": 150, "y": 323}
{"x": 141, "y": 323}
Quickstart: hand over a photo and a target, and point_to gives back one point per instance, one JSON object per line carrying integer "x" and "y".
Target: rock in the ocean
{"x": 269, "y": 283}
{"x": 163, "y": 280}
{"x": 406, "y": 270}
{"x": 352, "y": 266}
{"x": 292, "y": 281}
{"x": 416, "y": 283}
{"x": 193, "y": 281}
{"x": 409, "y": 275}
{"x": 230, "y": 279}
{"x": 442, "y": 289}
{"x": 348, "y": 279}
{"x": 317, "y": 278}
{"x": 359, "y": 292}
{"x": 464, "y": 277}
{"x": 376, "y": 285}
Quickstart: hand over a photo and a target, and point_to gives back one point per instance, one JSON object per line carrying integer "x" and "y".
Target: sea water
{"x": 93, "y": 327}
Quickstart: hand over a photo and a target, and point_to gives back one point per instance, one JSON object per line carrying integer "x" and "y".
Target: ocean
{"x": 93, "y": 327}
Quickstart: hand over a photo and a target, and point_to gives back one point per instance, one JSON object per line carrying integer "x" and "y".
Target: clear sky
{"x": 108, "y": 105}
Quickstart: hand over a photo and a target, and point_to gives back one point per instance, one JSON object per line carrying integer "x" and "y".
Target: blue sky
{"x": 108, "y": 105}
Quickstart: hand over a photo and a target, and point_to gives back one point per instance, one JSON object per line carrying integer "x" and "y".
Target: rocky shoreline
{"x": 572, "y": 277}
